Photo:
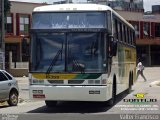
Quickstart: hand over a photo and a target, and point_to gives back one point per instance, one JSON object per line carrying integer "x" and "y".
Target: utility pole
{"x": 2, "y": 44}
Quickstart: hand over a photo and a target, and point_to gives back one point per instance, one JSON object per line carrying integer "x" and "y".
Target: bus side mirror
{"x": 113, "y": 46}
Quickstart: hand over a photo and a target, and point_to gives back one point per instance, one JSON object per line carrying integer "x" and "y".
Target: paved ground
{"x": 150, "y": 89}
{"x": 152, "y": 75}
{"x": 151, "y": 92}
{"x": 23, "y": 83}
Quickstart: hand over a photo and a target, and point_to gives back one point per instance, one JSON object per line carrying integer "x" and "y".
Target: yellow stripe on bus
{"x": 54, "y": 76}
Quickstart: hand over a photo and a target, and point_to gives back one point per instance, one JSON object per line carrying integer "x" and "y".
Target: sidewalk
{"x": 22, "y": 79}
{"x": 149, "y": 92}
{"x": 151, "y": 73}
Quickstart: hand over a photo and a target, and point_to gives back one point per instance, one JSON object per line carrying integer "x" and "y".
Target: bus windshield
{"x": 68, "y": 52}
{"x": 68, "y": 20}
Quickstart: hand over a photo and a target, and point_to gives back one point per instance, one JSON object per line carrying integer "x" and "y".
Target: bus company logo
{"x": 140, "y": 95}
{"x": 140, "y": 99}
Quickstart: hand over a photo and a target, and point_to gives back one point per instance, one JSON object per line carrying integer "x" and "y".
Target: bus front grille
{"x": 56, "y": 81}
{"x": 75, "y": 81}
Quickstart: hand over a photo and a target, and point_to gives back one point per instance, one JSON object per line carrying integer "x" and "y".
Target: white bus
{"x": 80, "y": 52}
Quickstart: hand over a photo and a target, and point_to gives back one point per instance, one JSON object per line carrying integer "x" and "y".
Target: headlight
{"x": 36, "y": 81}
{"x": 104, "y": 81}
{"x": 94, "y": 82}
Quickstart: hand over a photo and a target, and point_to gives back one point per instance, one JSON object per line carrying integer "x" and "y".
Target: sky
{"x": 147, "y": 3}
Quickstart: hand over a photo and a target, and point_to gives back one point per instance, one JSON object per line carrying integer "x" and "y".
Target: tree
{"x": 7, "y": 6}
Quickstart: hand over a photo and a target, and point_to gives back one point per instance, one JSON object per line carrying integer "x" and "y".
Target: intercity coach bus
{"x": 80, "y": 52}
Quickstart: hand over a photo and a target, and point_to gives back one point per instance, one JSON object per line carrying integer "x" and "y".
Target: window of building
{"x": 155, "y": 54}
{"x": 25, "y": 50}
{"x": 146, "y": 29}
{"x": 24, "y": 24}
{"x": 157, "y": 30}
{"x": 136, "y": 27}
{"x": 14, "y": 49}
{"x": 9, "y": 23}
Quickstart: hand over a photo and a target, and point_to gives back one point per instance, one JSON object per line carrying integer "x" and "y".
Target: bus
{"x": 80, "y": 52}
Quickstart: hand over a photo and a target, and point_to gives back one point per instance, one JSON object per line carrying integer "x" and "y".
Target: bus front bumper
{"x": 70, "y": 93}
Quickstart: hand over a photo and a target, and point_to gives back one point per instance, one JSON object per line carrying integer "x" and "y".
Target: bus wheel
{"x": 51, "y": 103}
{"x": 112, "y": 101}
{"x": 130, "y": 84}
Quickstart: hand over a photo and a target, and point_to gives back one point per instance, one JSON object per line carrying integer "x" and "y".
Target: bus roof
{"x": 72, "y": 7}
{"x": 78, "y": 7}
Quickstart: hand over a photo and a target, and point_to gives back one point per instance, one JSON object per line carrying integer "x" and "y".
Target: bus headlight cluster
{"x": 94, "y": 82}
{"x": 36, "y": 81}
{"x": 104, "y": 81}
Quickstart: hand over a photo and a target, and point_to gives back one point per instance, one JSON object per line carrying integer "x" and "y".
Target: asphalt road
{"x": 37, "y": 110}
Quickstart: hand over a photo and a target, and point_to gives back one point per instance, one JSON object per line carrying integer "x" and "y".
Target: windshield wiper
{"x": 78, "y": 66}
{"x": 54, "y": 60}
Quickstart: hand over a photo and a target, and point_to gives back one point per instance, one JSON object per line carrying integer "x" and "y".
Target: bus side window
{"x": 129, "y": 37}
{"x": 133, "y": 37}
{"x": 120, "y": 31}
{"x": 123, "y": 33}
{"x": 125, "y": 38}
{"x": 131, "y": 34}
{"x": 112, "y": 46}
{"x": 116, "y": 29}
{"x": 109, "y": 21}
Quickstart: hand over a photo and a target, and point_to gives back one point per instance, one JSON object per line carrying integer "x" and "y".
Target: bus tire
{"x": 112, "y": 101}
{"x": 51, "y": 103}
{"x": 129, "y": 90}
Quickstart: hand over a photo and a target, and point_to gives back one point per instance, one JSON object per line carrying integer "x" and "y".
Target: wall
{"x": 139, "y": 16}
{"x": 18, "y": 72}
{"x": 22, "y": 7}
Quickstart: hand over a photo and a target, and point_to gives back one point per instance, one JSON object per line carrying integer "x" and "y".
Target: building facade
{"x": 147, "y": 35}
{"x": 156, "y": 8}
{"x": 2, "y": 55}
{"x": 147, "y": 28}
{"x": 17, "y": 25}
